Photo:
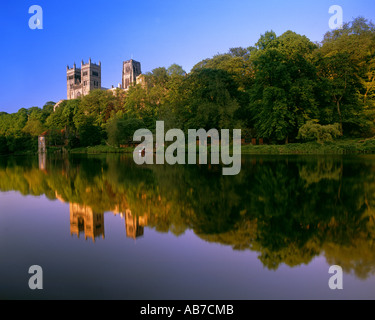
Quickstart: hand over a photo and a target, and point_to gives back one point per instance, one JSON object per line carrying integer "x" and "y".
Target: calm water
{"x": 102, "y": 227}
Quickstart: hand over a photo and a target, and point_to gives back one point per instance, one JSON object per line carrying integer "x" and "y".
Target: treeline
{"x": 18, "y": 131}
{"x": 283, "y": 89}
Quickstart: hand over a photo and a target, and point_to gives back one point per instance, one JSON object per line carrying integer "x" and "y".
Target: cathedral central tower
{"x": 131, "y": 69}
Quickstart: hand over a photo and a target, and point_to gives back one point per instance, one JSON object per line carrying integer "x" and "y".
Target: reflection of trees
{"x": 320, "y": 169}
{"x": 358, "y": 257}
{"x": 289, "y": 210}
{"x": 209, "y": 201}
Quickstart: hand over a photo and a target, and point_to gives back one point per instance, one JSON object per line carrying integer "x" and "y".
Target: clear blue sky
{"x": 156, "y": 33}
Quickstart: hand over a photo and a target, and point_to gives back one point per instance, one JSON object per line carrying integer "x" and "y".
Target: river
{"x": 102, "y": 227}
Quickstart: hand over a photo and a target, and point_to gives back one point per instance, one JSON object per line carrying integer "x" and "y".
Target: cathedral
{"x": 80, "y": 81}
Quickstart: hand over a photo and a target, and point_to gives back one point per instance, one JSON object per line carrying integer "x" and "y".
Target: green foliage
{"x": 143, "y": 103}
{"x": 3, "y": 145}
{"x": 89, "y": 133}
{"x": 176, "y": 70}
{"x": 313, "y": 131}
{"x": 266, "y": 40}
{"x": 340, "y": 146}
{"x": 98, "y": 105}
{"x": 210, "y": 99}
{"x": 63, "y": 117}
{"x": 121, "y": 131}
{"x": 338, "y": 74}
{"x": 294, "y": 45}
{"x": 239, "y": 67}
{"x": 34, "y": 127}
{"x": 347, "y": 73}
{"x": 158, "y": 76}
{"x": 55, "y": 137}
{"x": 282, "y": 97}
{"x": 11, "y": 124}
{"x": 21, "y": 143}
{"x": 241, "y": 52}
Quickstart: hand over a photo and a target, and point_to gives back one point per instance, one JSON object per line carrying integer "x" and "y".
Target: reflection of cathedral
{"x": 84, "y": 219}
{"x": 134, "y": 225}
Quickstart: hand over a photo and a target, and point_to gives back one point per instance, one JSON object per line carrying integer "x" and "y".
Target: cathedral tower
{"x": 130, "y": 71}
{"x": 80, "y": 81}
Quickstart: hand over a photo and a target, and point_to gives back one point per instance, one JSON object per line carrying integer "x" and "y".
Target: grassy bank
{"x": 337, "y": 147}
{"x": 344, "y": 146}
{"x": 102, "y": 149}
{"x": 352, "y": 146}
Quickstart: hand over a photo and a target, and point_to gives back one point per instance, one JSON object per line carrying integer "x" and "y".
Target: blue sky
{"x": 156, "y": 33}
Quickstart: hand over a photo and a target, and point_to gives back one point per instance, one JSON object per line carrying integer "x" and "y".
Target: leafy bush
{"x": 313, "y": 131}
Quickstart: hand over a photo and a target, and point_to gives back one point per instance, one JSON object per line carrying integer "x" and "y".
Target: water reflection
{"x": 287, "y": 209}
{"x": 83, "y": 220}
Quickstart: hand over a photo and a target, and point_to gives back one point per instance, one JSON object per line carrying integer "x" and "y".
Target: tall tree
{"x": 338, "y": 75}
{"x": 282, "y": 98}
{"x": 211, "y": 100}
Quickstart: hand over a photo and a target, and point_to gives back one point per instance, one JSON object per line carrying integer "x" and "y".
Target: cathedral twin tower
{"x": 80, "y": 81}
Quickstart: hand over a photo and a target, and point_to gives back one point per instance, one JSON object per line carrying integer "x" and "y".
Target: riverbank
{"x": 358, "y": 146}
{"x": 353, "y": 146}
{"x": 344, "y": 146}
{"x": 102, "y": 149}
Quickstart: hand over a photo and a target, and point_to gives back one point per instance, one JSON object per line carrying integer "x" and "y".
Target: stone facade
{"x": 80, "y": 81}
{"x": 131, "y": 69}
